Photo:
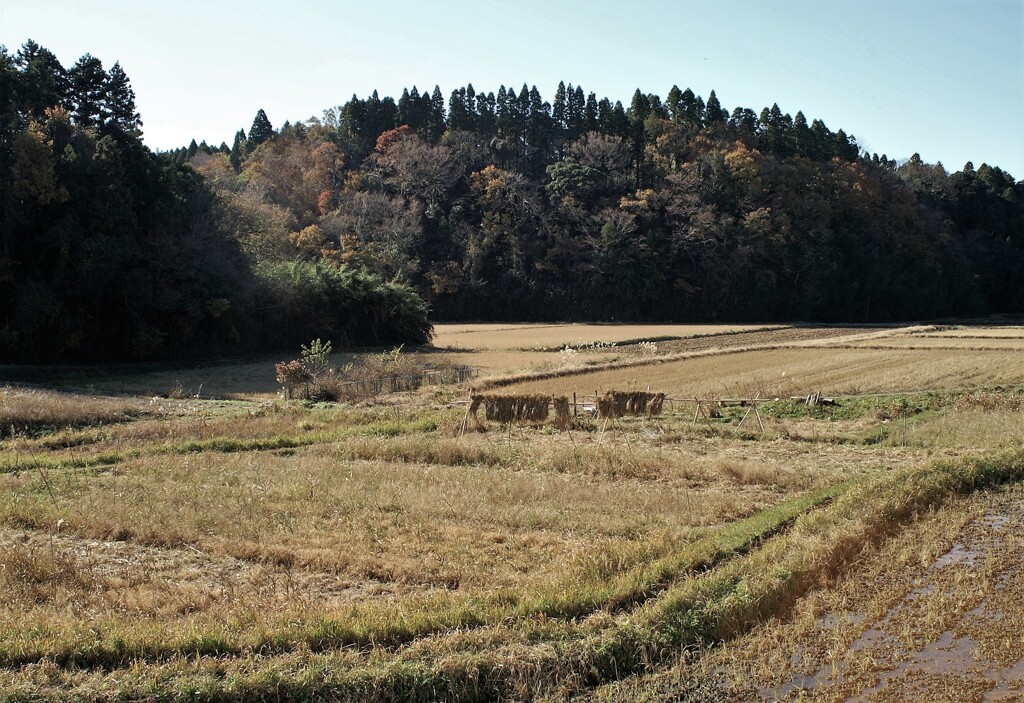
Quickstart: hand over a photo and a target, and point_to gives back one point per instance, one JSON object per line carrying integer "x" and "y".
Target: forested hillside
{"x": 481, "y": 206}
{"x": 109, "y": 252}
{"x": 505, "y": 206}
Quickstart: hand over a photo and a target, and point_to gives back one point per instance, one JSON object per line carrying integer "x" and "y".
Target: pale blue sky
{"x": 941, "y": 77}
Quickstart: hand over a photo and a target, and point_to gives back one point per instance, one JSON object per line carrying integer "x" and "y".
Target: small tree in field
{"x": 292, "y": 375}
{"x": 314, "y": 357}
{"x": 310, "y": 373}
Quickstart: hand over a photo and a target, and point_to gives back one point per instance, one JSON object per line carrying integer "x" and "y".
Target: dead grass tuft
{"x": 35, "y": 573}
{"x": 746, "y": 473}
{"x": 990, "y": 400}
{"x": 32, "y": 412}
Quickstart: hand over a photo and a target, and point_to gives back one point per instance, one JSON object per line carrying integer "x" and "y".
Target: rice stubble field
{"x": 247, "y": 548}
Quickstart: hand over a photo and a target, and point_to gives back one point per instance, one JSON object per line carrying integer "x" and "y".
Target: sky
{"x": 943, "y": 78}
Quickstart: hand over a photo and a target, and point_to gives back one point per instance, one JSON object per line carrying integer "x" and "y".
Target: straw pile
{"x": 475, "y": 401}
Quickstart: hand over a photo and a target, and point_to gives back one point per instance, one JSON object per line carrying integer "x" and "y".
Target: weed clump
{"x": 35, "y": 573}
{"x": 313, "y": 378}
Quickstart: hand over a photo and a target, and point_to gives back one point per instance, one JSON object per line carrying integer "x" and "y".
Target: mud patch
{"x": 954, "y": 635}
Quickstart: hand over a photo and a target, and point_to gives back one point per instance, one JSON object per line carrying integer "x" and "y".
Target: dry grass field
{"x": 932, "y": 615}
{"x": 168, "y": 549}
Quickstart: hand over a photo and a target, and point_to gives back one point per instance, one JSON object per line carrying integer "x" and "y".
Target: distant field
{"x": 799, "y": 371}
{"x": 956, "y": 343}
{"x": 533, "y": 336}
{"x": 1007, "y": 332}
{"x": 491, "y": 348}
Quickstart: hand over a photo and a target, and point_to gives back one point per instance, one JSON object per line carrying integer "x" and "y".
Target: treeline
{"x": 482, "y": 206}
{"x": 108, "y": 251}
{"x": 506, "y": 206}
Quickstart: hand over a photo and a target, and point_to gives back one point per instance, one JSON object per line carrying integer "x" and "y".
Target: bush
{"x": 350, "y": 305}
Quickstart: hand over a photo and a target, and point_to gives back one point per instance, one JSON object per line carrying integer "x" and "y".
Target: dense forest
{"x": 110, "y": 252}
{"x": 487, "y": 206}
{"x": 504, "y": 206}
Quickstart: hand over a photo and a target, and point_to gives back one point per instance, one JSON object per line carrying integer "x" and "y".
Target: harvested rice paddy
{"x": 780, "y": 373}
{"x": 555, "y": 336}
{"x": 247, "y": 548}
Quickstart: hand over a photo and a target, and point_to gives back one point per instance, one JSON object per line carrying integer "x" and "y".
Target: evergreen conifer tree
{"x": 558, "y": 106}
{"x": 260, "y": 131}
{"x": 237, "y": 150}
{"x": 713, "y": 111}
{"x": 44, "y": 83}
{"x": 119, "y": 101}
{"x": 675, "y": 97}
{"x": 88, "y": 89}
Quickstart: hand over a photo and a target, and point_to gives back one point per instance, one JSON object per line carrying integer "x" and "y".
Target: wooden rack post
{"x": 757, "y": 414}
{"x": 700, "y": 411}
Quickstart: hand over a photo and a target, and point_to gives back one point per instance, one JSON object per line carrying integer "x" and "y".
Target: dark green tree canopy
{"x": 485, "y": 205}
{"x": 261, "y": 129}
{"x": 118, "y": 107}
{"x": 88, "y": 91}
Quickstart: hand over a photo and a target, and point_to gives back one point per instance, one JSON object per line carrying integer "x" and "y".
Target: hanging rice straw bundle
{"x": 621, "y": 403}
{"x": 562, "y": 417}
{"x": 514, "y": 408}
{"x": 636, "y": 403}
{"x": 656, "y": 405}
{"x": 475, "y": 401}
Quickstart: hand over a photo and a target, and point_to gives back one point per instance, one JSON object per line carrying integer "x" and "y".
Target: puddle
{"x": 1009, "y": 684}
{"x": 944, "y": 656}
{"x": 980, "y": 544}
{"x": 797, "y": 683}
{"x": 959, "y": 554}
{"x": 996, "y": 522}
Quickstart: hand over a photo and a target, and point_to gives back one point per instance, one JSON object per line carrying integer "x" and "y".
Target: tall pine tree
{"x": 261, "y": 130}
{"x": 119, "y": 102}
